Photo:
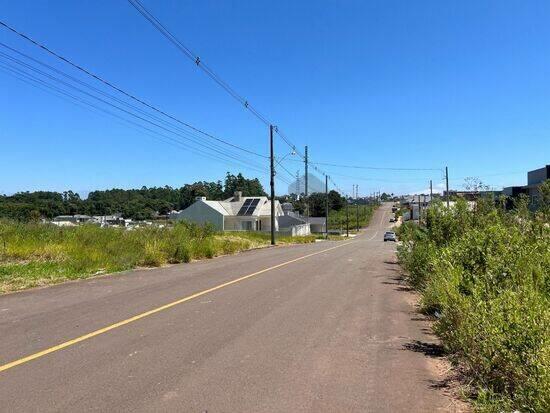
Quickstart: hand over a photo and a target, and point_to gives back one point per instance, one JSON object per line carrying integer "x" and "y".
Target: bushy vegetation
{"x": 33, "y": 254}
{"x": 337, "y": 219}
{"x": 316, "y": 202}
{"x": 485, "y": 274}
{"x": 132, "y": 203}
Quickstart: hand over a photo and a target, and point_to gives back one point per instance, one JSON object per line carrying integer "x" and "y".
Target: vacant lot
{"x": 485, "y": 274}
{"x": 33, "y": 254}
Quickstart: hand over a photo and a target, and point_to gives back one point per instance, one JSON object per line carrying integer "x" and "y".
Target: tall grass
{"x": 338, "y": 219}
{"x": 33, "y": 254}
{"x": 486, "y": 274}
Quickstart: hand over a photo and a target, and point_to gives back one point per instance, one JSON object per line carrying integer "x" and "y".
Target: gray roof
{"x": 230, "y": 207}
{"x": 71, "y": 217}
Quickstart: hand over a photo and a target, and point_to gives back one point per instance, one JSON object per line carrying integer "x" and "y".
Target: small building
{"x": 71, "y": 220}
{"x": 472, "y": 195}
{"x": 238, "y": 213}
{"x": 111, "y": 220}
{"x": 414, "y": 205}
{"x": 318, "y": 225}
{"x": 534, "y": 179}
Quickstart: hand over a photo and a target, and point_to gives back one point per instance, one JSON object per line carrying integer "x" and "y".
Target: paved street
{"x": 325, "y": 327}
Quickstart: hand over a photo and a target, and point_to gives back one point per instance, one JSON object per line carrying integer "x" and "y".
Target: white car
{"x": 390, "y": 236}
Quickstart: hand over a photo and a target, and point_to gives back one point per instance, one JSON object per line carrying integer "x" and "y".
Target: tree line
{"x": 137, "y": 204}
{"x": 317, "y": 202}
{"x": 146, "y": 203}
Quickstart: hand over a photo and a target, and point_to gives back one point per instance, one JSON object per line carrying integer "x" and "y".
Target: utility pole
{"x": 347, "y": 217}
{"x": 357, "y": 206}
{"x": 425, "y": 209}
{"x": 447, "y": 184}
{"x": 298, "y": 184}
{"x": 326, "y": 206}
{"x": 431, "y": 191}
{"x": 305, "y": 194}
{"x": 419, "y": 211}
{"x": 272, "y": 184}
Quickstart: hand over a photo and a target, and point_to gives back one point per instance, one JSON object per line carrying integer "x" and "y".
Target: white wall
{"x": 200, "y": 213}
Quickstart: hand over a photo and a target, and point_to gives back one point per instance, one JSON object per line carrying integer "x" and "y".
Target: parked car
{"x": 390, "y": 236}
{"x": 393, "y": 219}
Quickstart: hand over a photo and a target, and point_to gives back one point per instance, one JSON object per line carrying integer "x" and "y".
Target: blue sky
{"x": 389, "y": 84}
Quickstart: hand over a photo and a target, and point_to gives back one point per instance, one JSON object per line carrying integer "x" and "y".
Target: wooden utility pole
{"x": 306, "y": 188}
{"x": 357, "y": 206}
{"x": 272, "y": 183}
{"x": 347, "y": 217}
{"x": 447, "y": 184}
{"x": 326, "y": 206}
{"x": 419, "y": 211}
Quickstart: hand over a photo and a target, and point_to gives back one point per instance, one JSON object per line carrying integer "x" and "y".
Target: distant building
{"x": 315, "y": 224}
{"x": 413, "y": 205}
{"x": 111, "y": 220}
{"x": 102, "y": 220}
{"x": 534, "y": 179}
{"x": 471, "y": 195}
{"x": 71, "y": 220}
{"x": 314, "y": 184}
{"x": 318, "y": 225}
{"x": 238, "y": 213}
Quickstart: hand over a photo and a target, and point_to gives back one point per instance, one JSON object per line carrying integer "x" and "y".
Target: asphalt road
{"x": 324, "y": 327}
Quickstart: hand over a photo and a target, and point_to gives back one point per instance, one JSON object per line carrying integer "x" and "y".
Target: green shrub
{"x": 486, "y": 274}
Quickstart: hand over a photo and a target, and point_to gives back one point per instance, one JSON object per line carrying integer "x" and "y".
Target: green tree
{"x": 544, "y": 199}
{"x": 336, "y": 201}
{"x": 249, "y": 187}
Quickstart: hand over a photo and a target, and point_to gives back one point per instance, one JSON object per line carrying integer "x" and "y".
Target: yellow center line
{"x": 137, "y": 317}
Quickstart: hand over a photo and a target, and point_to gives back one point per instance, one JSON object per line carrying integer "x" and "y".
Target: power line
{"x": 36, "y": 83}
{"x": 375, "y": 167}
{"x": 286, "y": 170}
{"x": 143, "y": 102}
{"x": 374, "y": 179}
{"x": 97, "y": 90}
{"x": 196, "y": 59}
{"x": 120, "y": 90}
{"x": 28, "y": 77}
{"x": 208, "y": 147}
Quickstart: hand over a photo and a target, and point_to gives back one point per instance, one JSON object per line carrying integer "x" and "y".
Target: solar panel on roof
{"x": 252, "y": 206}
{"x": 245, "y": 206}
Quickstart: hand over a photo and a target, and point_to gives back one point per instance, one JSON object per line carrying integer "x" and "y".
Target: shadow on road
{"x": 428, "y": 349}
{"x": 399, "y": 281}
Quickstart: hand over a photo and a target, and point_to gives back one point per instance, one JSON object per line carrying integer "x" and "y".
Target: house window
{"x": 247, "y": 225}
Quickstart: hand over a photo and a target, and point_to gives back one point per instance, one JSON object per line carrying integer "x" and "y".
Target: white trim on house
{"x": 224, "y": 215}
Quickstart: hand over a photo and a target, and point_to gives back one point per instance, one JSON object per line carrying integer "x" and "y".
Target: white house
{"x": 71, "y": 220}
{"x": 238, "y": 213}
